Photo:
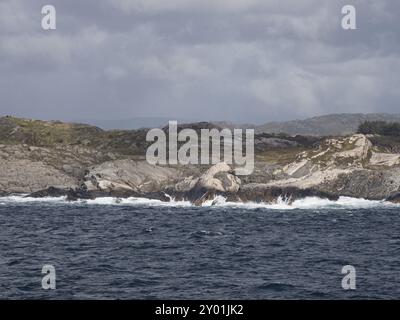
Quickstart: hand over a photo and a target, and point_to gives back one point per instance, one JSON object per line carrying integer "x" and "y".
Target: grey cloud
{"x": 235, "y": 60}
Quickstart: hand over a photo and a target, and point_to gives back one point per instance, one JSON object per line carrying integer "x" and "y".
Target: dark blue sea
{"x": 138, "y": 249}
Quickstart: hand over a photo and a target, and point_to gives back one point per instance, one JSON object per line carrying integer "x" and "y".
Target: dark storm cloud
{"x": 236, "y": 60}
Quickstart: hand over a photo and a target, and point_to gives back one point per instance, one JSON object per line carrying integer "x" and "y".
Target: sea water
{"x": 146, "y": 249}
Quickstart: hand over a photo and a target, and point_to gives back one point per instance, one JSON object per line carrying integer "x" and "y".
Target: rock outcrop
{"x": 218, "y": 179}
{"x": 22, "y": 176}
{"x": 83, "y": 162}
{"x": 129, "y": 175}
{"x": 395, "y": 198}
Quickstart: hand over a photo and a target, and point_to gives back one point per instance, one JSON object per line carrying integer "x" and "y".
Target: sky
{"x": 246, "y": 61}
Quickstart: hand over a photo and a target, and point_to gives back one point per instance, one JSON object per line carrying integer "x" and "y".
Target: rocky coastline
{"x": 53, "y": 159}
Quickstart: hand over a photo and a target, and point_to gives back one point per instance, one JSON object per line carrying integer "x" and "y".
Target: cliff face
{"x": 52, "y": 158}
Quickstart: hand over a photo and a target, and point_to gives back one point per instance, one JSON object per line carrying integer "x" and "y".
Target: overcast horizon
{"x": 242, "y": 61}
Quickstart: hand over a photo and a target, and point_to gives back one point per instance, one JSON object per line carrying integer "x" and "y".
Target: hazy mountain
{"x": 132, "y": 123}
{"x": 231, "y": 125}
{"x": 334, "y": 124}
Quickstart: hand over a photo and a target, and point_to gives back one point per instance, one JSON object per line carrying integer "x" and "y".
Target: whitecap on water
{"x": 308, "y": 203}
{"x": 135, "y": 202}
{"x": 219, "y": 201}
{"x": 25, "y": 199}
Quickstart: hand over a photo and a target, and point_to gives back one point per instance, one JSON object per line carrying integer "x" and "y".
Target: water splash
{"x": 219, "y": 201}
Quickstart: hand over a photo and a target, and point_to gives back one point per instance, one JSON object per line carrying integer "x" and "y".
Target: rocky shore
{"x": 45, "y": 159}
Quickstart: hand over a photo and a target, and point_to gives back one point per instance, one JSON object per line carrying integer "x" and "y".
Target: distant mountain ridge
{"x": 327, "y": 125}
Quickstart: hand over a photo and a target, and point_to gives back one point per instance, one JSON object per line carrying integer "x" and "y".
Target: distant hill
{"x": 334, "y": 124}
{"x": 59, "y": 134}
{"x": 133, "y": 123}
{"x": 156, "y": 122}
{"x": 49, "y": 133}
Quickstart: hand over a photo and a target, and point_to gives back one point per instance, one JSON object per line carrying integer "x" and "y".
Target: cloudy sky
{"x": 234, "y": 60}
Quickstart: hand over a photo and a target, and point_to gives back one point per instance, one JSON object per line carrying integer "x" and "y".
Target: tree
{"x": 380, "y": 127}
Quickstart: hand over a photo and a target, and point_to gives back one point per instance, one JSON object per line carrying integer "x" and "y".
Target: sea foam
{"x": 308, "y": 203}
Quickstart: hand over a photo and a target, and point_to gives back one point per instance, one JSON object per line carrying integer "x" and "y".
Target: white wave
{"x": 135, "y": 201}
{"x": 98, "y": 201}
{"x": 24, "y": 199}
{"x": 308, "y": 203}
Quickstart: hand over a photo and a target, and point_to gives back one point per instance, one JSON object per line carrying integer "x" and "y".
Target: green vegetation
{"x": 272, "y": 148}
{"x": 386, "y": 135}
{"x": 53, "y": 134}
{"x": 280, "y": 156}
{"x": 391, "y": 129}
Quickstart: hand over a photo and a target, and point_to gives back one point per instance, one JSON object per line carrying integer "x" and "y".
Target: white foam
{"x": 23, "y": 199}
{"x": 309, "y": 203}
{"x": 135, "y": 201}
{"x": 306, "y": 203}
{"x": 98, "y": 201}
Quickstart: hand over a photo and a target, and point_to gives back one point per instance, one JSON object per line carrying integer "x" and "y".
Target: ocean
{"x": 144, "y": 249}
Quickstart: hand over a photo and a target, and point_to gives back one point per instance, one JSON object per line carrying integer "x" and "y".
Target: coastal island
{"x": 78, "y": 161}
